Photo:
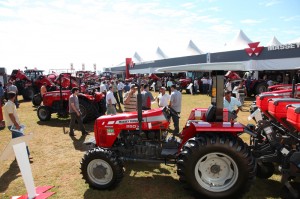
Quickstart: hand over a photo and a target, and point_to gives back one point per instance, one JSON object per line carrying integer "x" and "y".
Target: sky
{"x": 53, "y": 34}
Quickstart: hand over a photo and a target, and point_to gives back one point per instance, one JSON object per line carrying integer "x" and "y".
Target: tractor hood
{"x": 132, "y": 117}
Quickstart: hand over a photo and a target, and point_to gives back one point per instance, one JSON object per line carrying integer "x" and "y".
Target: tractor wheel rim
{"x": 43, "y": 113}
{"x": 100, "y": 171}
{"x": 216, "y": 172}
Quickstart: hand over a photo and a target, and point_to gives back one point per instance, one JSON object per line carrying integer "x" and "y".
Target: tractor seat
{"x": 210, "y": 114}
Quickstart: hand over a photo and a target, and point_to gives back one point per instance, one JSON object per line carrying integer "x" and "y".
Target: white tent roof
{"x": 160, "y": 54}
{"x": 193, "y": 49}
{"x": 274, "y": 42}
{"x": 239, "y": 42}
{"x": 260, "y": 65}
{"x": 144, "y": 71}
{"x": 137, "y": 58}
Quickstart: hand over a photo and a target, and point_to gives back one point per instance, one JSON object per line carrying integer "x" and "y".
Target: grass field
{"x": 56, "y": 161}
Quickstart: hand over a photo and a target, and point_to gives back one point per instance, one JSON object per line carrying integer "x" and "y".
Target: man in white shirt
{"x": 111, "y": 101}
{"x": 102, "y": 87}
{"x": 163, "y": 98}
{"x": 231, "y": 103}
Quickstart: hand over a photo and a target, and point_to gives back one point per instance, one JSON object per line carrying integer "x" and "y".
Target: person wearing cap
{"x": 11, "y": 117}
{"x": 163, "y": 98}
{"x": 130, "y": 100}
{"x": 13, "y": 88}
{"x": 231, "y": 103}
{"x": 111, "y": 101}
{"x": 75, "y": 112}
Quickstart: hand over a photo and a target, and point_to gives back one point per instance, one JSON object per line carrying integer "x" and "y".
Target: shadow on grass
{"x": 150, "y": 180}
{"x": 10, "y": 175}
{"x": 155, "y": 186}
{"x": 78, "y": 143}
{"x": 64, "y": 123}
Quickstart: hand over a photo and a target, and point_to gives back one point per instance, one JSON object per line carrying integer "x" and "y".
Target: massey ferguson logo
{"x": 254, "y": 49}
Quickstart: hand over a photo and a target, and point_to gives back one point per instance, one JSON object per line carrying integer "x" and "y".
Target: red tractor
{"x": 91, "y": 106}
{"x": 30, "y": 82}
{"x": 210, "y": 156}
{"x": 277, "y": 141}
{"x": 190, "y": 76}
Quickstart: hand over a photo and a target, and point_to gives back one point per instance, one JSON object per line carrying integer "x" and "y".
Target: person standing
{"x": 75, "y": 113}
{"x": 111, "y": 102}
{"x": 43, "y": 89}
{"x": 163, "y": 98}
{"x": 114, "y": 85}
{"x": 11, "y": 117}
{"x": 169, "y": 84}
{"x": 130, "y": 100}
{"x": 126, "y": 88}
{"x": 147, "y": 98}
{"x": 120, "y": 87}
{"x": 1, "y": 93}
{"x": 228, "y": 85}
{"x": 102, "y": 87}
{"x": 175, "y": 103}
{"x": 13, "y": 88}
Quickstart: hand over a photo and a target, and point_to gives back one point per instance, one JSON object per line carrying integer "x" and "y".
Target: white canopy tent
{"x": 240, "y": 41}
{"x": 251, "y": 65}
{"x": 144, "y": 71}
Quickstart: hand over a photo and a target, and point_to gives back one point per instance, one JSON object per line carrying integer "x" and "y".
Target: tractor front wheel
{"x": 101, "y": 168}
{"x": 37, "y": 99}
{"x": 28, "y": 93}
{"x": 216, "y": 166}
{"x": 260, "y": 88}
{"x": 43, "y": 113}
{"x": 87, "y": 109}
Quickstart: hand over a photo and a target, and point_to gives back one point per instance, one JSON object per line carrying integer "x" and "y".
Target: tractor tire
{"x": 28, "y": 93}
{"x": 88, "y": 110}
{"x": 265, "y": 170}
{"x": 101, "y": 168}
{"x": 216, "y": 165}
{"x": 37, "y": 100}
{"x": 260, "y": 88}
{"x": 44, "y": 113}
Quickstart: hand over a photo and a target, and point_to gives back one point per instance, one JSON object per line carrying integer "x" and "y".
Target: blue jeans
{"x": 15, "y": 134}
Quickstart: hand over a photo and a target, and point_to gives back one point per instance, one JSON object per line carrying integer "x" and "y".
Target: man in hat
{"x": 11, "y": 117}
{"x": 163, "y": 98}
{"x": 130, "y": 99}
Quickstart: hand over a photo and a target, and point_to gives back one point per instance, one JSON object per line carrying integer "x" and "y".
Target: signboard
{"x": 284, "y": 46}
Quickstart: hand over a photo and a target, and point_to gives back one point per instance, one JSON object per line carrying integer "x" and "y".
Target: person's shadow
{"x": 79, "y": 143}
{"x": 10, "y": 175}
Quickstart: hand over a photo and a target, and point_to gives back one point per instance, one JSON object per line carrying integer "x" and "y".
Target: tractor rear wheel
{"x": 28, "y": 93}
{"x": 260, "y": 88}
{"x": 37, "y": 99}
{"x": 101, "y": 168}
{"x": 216, "y": 166}
{"x": 43, "y": 113}
{"x": 88, "y": 110}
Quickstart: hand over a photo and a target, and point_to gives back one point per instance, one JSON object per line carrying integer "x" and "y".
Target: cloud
{"x": 250, "y": 21}
{"x": 291, "y": 18}
{"x": 269, "y": 3}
